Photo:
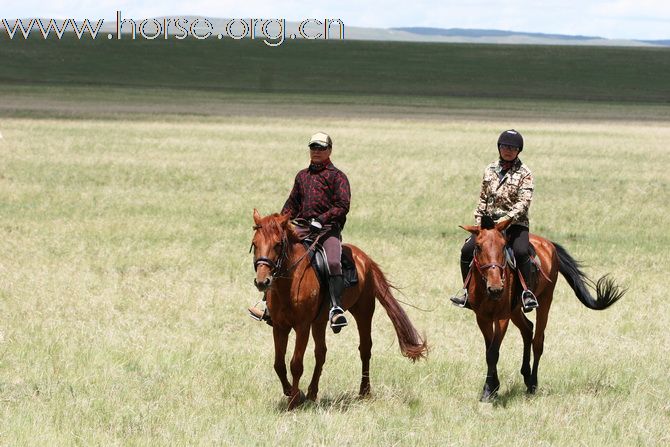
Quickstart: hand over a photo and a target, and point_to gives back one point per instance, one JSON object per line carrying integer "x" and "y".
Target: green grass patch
{"x": 345, "y": 67}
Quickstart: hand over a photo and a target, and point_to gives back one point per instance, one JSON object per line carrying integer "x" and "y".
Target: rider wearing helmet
{"x": 321, "y": 196}
{"x": 506, "y": 193}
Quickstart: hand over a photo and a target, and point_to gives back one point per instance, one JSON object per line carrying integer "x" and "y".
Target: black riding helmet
{"x": 511, "y": 138}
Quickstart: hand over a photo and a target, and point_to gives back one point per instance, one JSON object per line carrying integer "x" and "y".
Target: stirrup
{"x": 257, "y": 314}
{"x": 460, "y": 299}
{"x": 340, "y": 320}
{"x": 528, "y": 301}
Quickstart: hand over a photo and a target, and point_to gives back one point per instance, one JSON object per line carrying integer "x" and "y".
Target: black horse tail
{"x": 607, "y": 291}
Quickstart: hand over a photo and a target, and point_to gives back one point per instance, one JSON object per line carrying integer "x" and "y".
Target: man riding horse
{"x": 321, "y": 197}
{"x": 506, "y": 193}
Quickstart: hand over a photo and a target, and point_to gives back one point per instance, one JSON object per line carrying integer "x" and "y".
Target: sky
{"x": 613, "y": 19}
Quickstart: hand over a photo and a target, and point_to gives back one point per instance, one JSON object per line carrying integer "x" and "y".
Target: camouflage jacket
{"x": 506, "y": 196}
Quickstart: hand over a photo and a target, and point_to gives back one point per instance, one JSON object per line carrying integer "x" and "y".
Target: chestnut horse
{"x": 494, "y": 288}
{"x": 295, "y": 301}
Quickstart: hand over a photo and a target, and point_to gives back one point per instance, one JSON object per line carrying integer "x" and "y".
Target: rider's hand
{"x": 315, "y": 225}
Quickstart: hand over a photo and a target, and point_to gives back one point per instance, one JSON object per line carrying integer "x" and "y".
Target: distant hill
{"x": 488, "y": 33}
{"x": 462, "y": 35}
{"x": 658, "y": 42}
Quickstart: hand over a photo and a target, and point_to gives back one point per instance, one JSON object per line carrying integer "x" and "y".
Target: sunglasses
{"x": 504, "y": 146}
{"x": 318, "y": 148}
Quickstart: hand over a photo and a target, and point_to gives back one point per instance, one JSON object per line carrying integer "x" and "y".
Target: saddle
{"x": 317, "y": 258}
{"x": 534, "y": 259}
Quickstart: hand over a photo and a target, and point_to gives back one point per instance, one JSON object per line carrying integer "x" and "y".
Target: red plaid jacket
{"x": 320, "y": 192}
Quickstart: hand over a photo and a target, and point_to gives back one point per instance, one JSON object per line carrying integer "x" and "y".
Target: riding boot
{"x": 528, "y": 300}
{"x": 336, "y": 314}
{"x": 461, "y": 298}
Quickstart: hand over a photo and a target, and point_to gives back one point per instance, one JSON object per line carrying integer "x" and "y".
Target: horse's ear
{"x": 257, "y": 217}
{"x": 471, "y": 228}
{"x": 283, "y": 220}
{"x": 502, "y": 226}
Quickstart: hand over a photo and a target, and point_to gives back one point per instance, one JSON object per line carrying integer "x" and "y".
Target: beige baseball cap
{"x": 320, "y": 139}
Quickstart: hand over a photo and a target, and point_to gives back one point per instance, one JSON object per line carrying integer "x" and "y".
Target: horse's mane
{"x": 270, "y": 226}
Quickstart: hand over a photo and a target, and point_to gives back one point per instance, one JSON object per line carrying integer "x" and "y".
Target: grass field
{"x": 346, "y": 67}
{"x": 124, "y": 274}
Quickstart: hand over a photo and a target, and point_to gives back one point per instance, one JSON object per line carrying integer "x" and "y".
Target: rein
{"x": 275, "y": 267}
{"x": 311, "y": 247}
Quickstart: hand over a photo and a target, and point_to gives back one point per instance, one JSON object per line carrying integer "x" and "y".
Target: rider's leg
{"x": 519, "y": 239}
{"x": 467, "y": 253}
{"x": 333, "y": 248}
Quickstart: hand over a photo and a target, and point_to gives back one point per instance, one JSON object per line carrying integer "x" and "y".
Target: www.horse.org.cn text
{"x": 273, "y": 32}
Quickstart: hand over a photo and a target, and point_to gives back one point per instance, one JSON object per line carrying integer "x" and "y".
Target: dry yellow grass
{"x": 124, "y": 276}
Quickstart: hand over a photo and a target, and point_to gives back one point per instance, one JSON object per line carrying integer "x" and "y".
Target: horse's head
{"x": 489, "y": 256}
{"x": 270, "y": 246}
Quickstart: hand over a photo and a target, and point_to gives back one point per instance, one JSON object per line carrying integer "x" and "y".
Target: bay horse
{"x": 296, "y": 302}
{"x": 493, "y": 292}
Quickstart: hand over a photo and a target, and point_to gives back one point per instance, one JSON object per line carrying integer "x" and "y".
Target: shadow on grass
{"x": 517, "y": 392}
{"x": 342, "y": 402}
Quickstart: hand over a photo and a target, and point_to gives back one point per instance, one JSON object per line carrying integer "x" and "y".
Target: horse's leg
{"x": 363, "y": 312}
{"x": 493, "y": 332}
{"x": 526, "y": 328}
{"x": 319, "y": 336}
{"x": 301, "y": 339}
{"x": 280, "y": 336}
{"x": 538, "y": 339}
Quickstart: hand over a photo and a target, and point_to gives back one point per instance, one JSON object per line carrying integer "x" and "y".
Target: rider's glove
{"x": 315, "y": 225}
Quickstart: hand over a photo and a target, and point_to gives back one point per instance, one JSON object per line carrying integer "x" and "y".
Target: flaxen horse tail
{"x": 607, "y": 292}
{"x": 412, "y": 345}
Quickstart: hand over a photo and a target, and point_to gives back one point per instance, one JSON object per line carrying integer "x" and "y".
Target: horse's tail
{"x": 412, "y": 345}
{"x": 607, "y": 292}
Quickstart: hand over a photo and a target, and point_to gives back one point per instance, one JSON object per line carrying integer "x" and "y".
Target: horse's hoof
{"x": 488, "y": 399}
{"x": 531, "y": 389}
{"x": 296, "y": 400}
{"x": 364, "y": 391}
{"x": 489, "y": 394}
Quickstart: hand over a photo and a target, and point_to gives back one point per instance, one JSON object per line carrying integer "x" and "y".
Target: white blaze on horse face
{"x": 262, "y": 272}
{"x": 494, "y": 278}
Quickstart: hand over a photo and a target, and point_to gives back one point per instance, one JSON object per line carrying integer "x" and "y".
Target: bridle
{"x": 275, "y": 266}
{"x": 490, "y": 265}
